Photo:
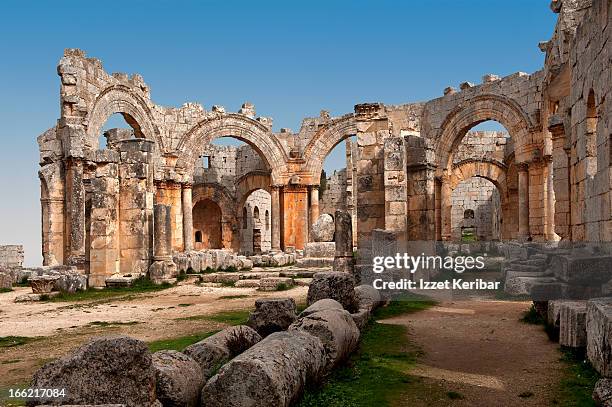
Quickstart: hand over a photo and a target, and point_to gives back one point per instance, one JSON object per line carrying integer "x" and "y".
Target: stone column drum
{"x": 163, "y": 269}
{"x": 343, "y": 236}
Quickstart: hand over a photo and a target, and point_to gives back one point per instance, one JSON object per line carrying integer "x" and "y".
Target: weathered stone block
{"x": 320, "y": 249}
{"x": 599, "y": 334}
{"x": 272, "y": 373}
{"x": 323, "y": 229}
{"x": 272, "y": 315}
{"x": 572, "y": 324}
{"x": 115, "y": 369}
{"x": 335, "y": 285}
{"x": 179, "y": 379}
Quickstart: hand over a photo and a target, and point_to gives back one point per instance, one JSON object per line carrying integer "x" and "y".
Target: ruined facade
{"x": 552, "y": 174}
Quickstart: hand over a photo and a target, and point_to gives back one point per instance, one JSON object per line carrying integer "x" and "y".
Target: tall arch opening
{"x": 476, "y": 211}
{"x": 256, "y": 235}
{"x": 207, "y": 225}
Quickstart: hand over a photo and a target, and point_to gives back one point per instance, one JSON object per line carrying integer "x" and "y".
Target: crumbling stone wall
{"x": 256, "y": 231}
{"x": 11, "y": 256}
{"x": 334, "y": 197}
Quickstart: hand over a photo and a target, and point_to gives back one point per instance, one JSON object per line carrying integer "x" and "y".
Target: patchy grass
{"x": 5, "y": 290}
{"x": 228, "y": 284}
{"x": 178, "y": 343}
{"x": 453, "y": 395}
{"x": 233, "y": 297}
{"x": 142, "y": 285}
{"x": 533, "y": 317}
{"x": 189, "y": 304}
{"x": 404, "y": 304}
{"x": 378, "y": 373}
{"x": 578, "y": 381}
{"x": 112, "y": 323}
{"x": 10, "y": 361}
{"x": 283, "y": 287}
{"x": 6, "y": 401}
{"x": 11, "y": 341}
{"x": 237, "y": 317}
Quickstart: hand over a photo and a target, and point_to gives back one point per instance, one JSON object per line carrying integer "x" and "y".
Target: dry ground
{"x": 480, "y": 351}
{"x": 62, "y": 326}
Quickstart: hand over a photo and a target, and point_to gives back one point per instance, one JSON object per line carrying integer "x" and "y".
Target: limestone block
{"x": 361, "y": 318}
{"x": 272, "y": 315}
{"x": 274, "y": 283}
{"x": 335, "y": 285}
{"x": 599, "y": 334}
{"x": 113, "y": 369}
{"x": 212, "y": 352}
{"x": 179, "y": 379}
{"x": 321, "y": 305}
{"x": 274, "y": 372}
{"x": 572, "y": 324}
{"x": 163, "y": 271}
{"x": 320, "y": 249}
{"x": 323, "y": 229}
{"x": 6, "y": 280}
{"x": 336, "y": 330}
{"x": 368, "y": 297}
{"x": 315, "y": 262}
{"x": 602, "y": 393}
{"x": 594, "y": 270}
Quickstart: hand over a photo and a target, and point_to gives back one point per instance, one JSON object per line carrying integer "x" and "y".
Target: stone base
{"x": 121, "y": 280}
{"x": 35, "y": 297}
{"x": 344, "y": 264}
{"x": 320, "y": 249}
{"x": 572, "y": 324}
{"x": 317, "y": 262}
{"x": 163, "y": 271}
{"x": 272, "y": 283}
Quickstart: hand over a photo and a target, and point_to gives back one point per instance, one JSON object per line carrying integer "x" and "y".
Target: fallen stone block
{"x": 315, "y": 262}
{"x": 361, "y": 318}
{"x": 227, "y": 278}
{"x": 212, "y": 352}
{"x": 602, "y": 393}
{"x": 247, "y": 283}
{"x": 321, "y": 305}
{"x": 274, "y": 372}
{"x": 553, "y": 313}
{"x": 599, "y": 334}
{"x": 302, "y": 282}
{"x": 335, "y": 285}
{"x": 323, "y": 229}
{"x": 572, "y": 324}
{"x": 368, "y": 297}
{"x": 272, "y": 315}
{"x": 179, "y": 379}
{"x": 336, "y": 330}
{"x": 523, "y": 285}
{"x": 320, "y": 249}
{"x": 275, "y": 283}
{"x": 588, "y": 271}
{"x": 106, "y": 370}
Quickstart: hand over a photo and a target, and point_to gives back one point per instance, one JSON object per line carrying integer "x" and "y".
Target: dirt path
{"x": 480, "y": 350}
{"x": 62, "y": 326}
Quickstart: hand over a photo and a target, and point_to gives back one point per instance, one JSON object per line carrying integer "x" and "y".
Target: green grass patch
{"x": 578, "y": 381}
{"x": 453, "y": 395}
{"x": 112, "y": 323}
{"x": 283, "y": 287}
{"x": 404, "y": 304}
{"x": 228, "y": 284}
{"x": 238, "y": 317}
{"x": 233, "y": 297}
{"x": 178, "y": 343}
{"x": 7, "y": 401}
{"x": 378, "y": 373}
{"x": 533, "y": 317}
{"x": 10, "y": 361}
{"x": 186, "y": 305}
{"x": 141, "y": 285}
{"x": 11, "y": 341}
{"x": 5, "y": 290}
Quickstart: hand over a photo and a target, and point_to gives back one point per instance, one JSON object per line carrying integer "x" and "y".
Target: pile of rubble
{"x": 268, "y": 362}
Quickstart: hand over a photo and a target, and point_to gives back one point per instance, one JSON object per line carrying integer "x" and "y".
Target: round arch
{"x": 250, "y": 182}
{"x": 237, "y": 126}
{"x": 324, "y": 140}
{"x": 222, "y": 197}
{"x": 475, "y": 111}
{"x": 133, "y": 108}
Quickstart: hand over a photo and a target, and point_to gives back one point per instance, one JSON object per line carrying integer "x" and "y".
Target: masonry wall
{"x": 259, "y": 212}
{"x": 11, "y": 256}
{"x": 482, "y": 197}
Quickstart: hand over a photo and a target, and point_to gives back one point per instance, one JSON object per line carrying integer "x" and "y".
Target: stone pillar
{"x": 75, "y": 205}
{"x": 187, "y": 217}
{"x": 314, "y": 206}
{"x": 135, "y": 205}
{"x": 523, "y": 193}
{"x": 163, "y": 269}
{"x": 343, "y": 236}
{"x": 169, "y": 193}
{"x": 445, "y": 207}
{"x": 275, "y": 217}
{"x": 52, "y": 199}
{"x": 395, "y": 179}
{"x": 104, "y": 220}
{"x": 560, "y": 178}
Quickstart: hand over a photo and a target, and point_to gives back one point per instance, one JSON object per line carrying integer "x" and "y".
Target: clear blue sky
{"x": 291, "y": 59}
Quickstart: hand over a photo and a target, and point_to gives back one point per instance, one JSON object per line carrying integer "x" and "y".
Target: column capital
{"x": 522, "y": 167}
{"x": 187, "y": 185}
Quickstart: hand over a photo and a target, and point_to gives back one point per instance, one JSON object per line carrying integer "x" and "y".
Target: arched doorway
{"x": 476, "y": 211}
{"x": 255, "y": 234}
{"x": 207, "y": 225}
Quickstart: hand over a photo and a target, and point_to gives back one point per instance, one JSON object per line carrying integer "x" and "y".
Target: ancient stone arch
{"x": 498, "y": 174}
{"x": 238, "y": 126}
{"x": 477, "y": 110}
{"x": 133, "y": 108}
{"x": 324, "y": 140}
{"x": 250, "y": 182}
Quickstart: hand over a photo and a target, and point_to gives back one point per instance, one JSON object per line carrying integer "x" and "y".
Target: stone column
{"x": 75, "y": 205}
{"x": 343, "y": 236}
{"x": 446, "y": 207}
{"x": 560, "y": 178}
{"x": 523, "y": 193}
{"x": 275, "y": 217}
{"x": 314, "y": 206}
{"x": 187, "y": 217}
{"x": 163, "y": 269}
{"x": 395, "y": 185}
